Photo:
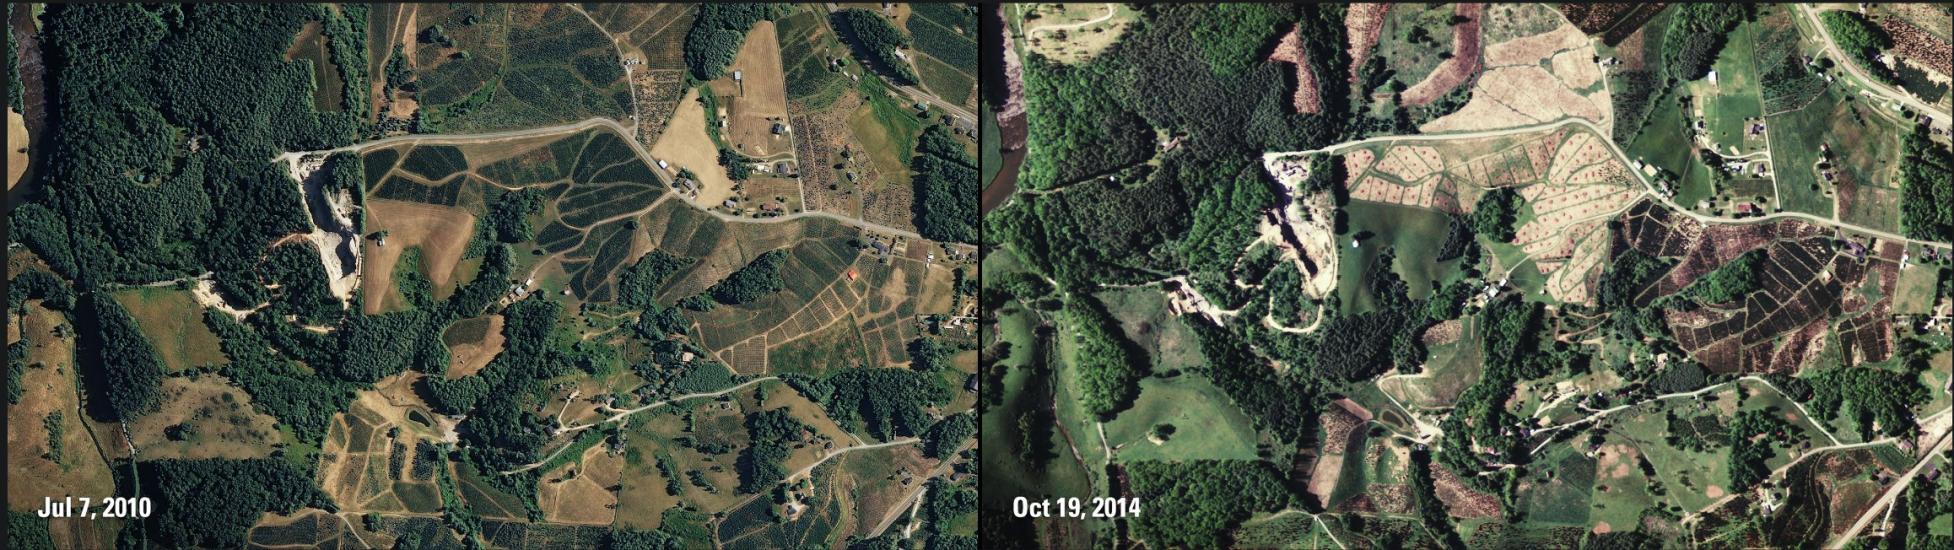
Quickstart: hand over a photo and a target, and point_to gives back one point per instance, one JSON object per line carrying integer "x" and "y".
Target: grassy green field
{"x": 1142, "y": 312}
{"x": 886, "y": 130}
{"x": 1564, "y": 499}
{"x": 1735, "y": 95}
{"x": 1060, "y": 475}
{"x": 1407, "y": 230}
{"x": 173, "y": 322}
{"x": 991, "y": 147}
{"x": 1207, "y": 425}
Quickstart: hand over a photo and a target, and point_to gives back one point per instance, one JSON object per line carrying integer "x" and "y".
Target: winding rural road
{"x": 1851, "y": 65}
{"x": 913, "y": 92}
{"x": 1893, "y": 493}
{"x": 1110, "y": 12}
{"x": 624, "y": 413}
{"x": 1648, "y": 188}
{"x": 613, "y": 125}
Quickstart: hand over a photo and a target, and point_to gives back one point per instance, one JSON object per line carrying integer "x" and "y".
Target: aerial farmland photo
{"x": 1426, "y": 275}
{"x": 631, "y": 276}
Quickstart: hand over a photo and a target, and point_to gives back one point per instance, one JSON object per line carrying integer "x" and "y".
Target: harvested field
{"x": 1290, "y": 50}
{"x": 16, "y": 147}
{"x": 685, "y": 145}
{"x": 758, "y": 100}
{"x": 472, "y": 343}
{"x": 1917, "y": 44}
{"x": 441, "y": 232}
{"x": 1775, "y": 328}
{"x": 1455, "y": 71}
{"x": 657, "y": 93}
{"x": 1516, "y": 90}
{"x": 819, "y": 139}
{"x": 1361, "y": 24}
{"x": 213, "y": 418}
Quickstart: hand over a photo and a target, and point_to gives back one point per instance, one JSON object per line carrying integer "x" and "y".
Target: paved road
{"x": 1649, "y": 188}
{"x": 586, "y": 124}
{"x": 1893, "y": 493}
{"x": 1851, "y": 65}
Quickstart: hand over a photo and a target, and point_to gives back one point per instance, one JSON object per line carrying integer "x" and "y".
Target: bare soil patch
{"x": 1290, "y": 50}
{"x": 441, "y": 232}
{"x": 685, "y": 145}
{"x": 759, "y": 99}
{"x": 472, "y": 343}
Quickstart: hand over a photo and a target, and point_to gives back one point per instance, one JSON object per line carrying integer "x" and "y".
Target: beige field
{"x": 759, "y": 99}
{"x": 642, "y": 502}
{"x": 468, "y": 358}
{"x": 16, "y": 147}
{"x": 1515, "y": 90}
{"x": 31, "y": 476}
{"x": 763, "y": 190}
{"x": 584, "y": 498}
{"x": 174, "y": 323}
{"x": 686, "y": 145}
{"x": 440, "y": 231}
{"x": 221, "y": 416}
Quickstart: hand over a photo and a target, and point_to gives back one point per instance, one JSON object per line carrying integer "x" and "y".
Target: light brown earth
{"x": 30, "y": 476}
{"x": 684, "y": 144}
{"x": 16, "y": 147}
{"x": 584, "y": 499}
{"x": 759, "y": 99}
{"x": 1516, "y": 91}
{"x": 1290, "y": 50}
{"x": 1455, "y": 71}
{"x": 220, "y": 414}
{"x": 440, "y": 231}
{"x": 469, "y": 358}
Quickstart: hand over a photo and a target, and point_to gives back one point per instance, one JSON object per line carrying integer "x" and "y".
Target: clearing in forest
{"x": 441, "y": 232}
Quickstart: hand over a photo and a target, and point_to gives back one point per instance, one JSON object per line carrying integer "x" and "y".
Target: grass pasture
{"x": 472, "y": 343}
{"x": 1408, "y": 231}
{"x": 173, "y": 321}
{"x": 32, "y": 471}
{"x": 1143, "y": 315}
{"x": 1207, "y": 425}
{"x": 1735, "y": 96}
